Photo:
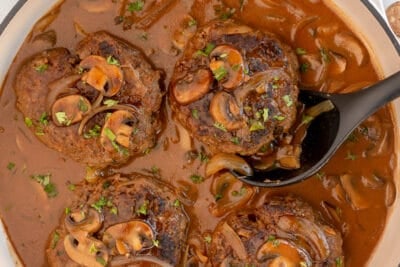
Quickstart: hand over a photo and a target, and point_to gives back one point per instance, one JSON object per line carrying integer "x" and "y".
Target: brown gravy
{"x": 368, "y": 156}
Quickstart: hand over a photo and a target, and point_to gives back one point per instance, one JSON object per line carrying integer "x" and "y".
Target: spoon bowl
{"x": 329, "y": 130}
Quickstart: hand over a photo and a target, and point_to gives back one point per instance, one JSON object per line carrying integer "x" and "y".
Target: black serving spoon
{"x": 328, "y": 130}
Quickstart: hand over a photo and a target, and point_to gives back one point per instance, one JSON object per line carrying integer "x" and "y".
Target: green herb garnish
{"x": 62, "y": 118}
{"x": 82, "y": 106}
{"x": 28, "y": 122}
{"x": 304, "y": 67}
{"x": 288, "y": 100}
{"x": 54, "y": 240}
{"x": 206, "y": 51}
{"x": 142, "y": 210}
{"x": 112, "y": 61}
{"x": 197, "y": 179}
{"x": 195, "y": 114}
{"x": 136, "y": 6}
{"x": 300, "y": 51}
{"x": 220, "y": 126}
{"x": 220, "y": 73}
{"x": 94, "y": 132}
{"x": 110, "y": 102}
{"x": 256, "y": 126}
{"x": 48, "y": 186}
{"x": 41, "y": 68}
{"x": 11, "y": 166}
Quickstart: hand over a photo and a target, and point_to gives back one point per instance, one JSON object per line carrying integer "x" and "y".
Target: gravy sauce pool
{"x": 366, "y": 160}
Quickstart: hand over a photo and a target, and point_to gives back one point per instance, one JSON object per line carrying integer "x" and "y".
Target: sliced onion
{"x": 225, "y": 161}
{"x": 232, "y": 238}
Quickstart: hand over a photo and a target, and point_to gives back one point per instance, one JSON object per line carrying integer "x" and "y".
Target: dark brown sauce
{"x": 30, "y": 216}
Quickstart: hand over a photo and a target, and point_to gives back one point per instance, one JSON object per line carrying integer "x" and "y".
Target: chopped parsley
{"x": 339, "y": 261}
{"x": 176, "y": 203}
{"x": 306, "y": 119}
{"x": 11, "y": 166}
{"x": 110, "y": 102}
{"x": 227, "y": 14}
{"x": 242, "y": 191}
{"x": 220, "y": 73}
{"x": 288, "y": 100}
{"x": 41, "y": 68}
{"x": 325, "y": 55}
{"x": 279, "y": 117}
{"x": 155, "y": 170}
{"x": 206, "y": 51}
{"x": 71, "y": 187}
{"x": 82, "y": 106}
{"x": 136, "y": 6}
{"x": 192, "y": 22}
{"x": 203, "y": 157}
{"x": 94, "y": 132}
{"x": 350, "y": 156}
{"x": 28, "y": 122}
{"x": 102, "y": 203}
{"x": 142, "y": 210}
{"x": 235, "y": 140}
{"x": 304, "y": 67}
{"x": 256, "y": 126}
{"x": 208, "y": 239}
{"x": 67, "y": 210}
{"x": 112, "y": 61}
{"x": 101, "y": 261}
{"x": 48, "y": 186}
{"x": 196, "y": 179}
{"x": 300, "y": 51}
{"x": 62, "y": 118}
{"x": 43, "y": 120}
{"x": 156, "y": 243}
{"x": 54, "y": 240}
{"x": 220, "y": 126}
{"x": 112, "y": 137}
{"x": 195, "y": 114}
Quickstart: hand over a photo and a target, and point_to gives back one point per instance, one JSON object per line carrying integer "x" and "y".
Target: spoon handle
{"x": 356, "y": 107}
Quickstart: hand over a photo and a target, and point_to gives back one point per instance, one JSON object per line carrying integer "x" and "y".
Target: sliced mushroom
{"x": 280, "y": 252}
{"x": 357, "y": 199}
{"x": 288, "y": 156}
{"x": 86, "y": 251}
{"x": 89, "y": 221}
{"x": 313, "y": 69}
{"x": 135, "y": 235}
{"x": 225, "y": 161}
{"x": 186, "y": 31}
{"x": 227, "y": 65}
{"x": 233, "y": 239}
{"x": 348, "y": 44}
{"x": 193, "y": 87}
{"x": 105, "y": 77}
{"x": 225, "y": 110}
{"x": 117, "y": 130}
{"x": 69, "y": 109}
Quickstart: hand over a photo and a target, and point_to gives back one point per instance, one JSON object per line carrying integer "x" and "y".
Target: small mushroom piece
{"x": 225, "y": 161}
{"x": 186, "y": 31}
{"x": 280, "y": 252}
{"x": 288, "y": 156}
{"x": 349, "y": 45}
{"x": 86, "y": 251}
{"x": 117, "y": 130}
{"x": 357, "y": 199}
{"x": 193, "y": 87}
{"x": 103, "y": 76}
{"x": 69, "y": 109}
{"x": 88, "y": 221}
{"x": 135, "y": 235}
{"x": 313, "y": 70}
{"x": 227, "y": 66}
{"x": 225, "y": 110}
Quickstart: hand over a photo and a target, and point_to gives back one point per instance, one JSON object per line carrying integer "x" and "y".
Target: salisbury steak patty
{"x": 285, "y": 231}
{"x": 121, "y": 221}
{"x": 235, "y": 88}
{"x": 99, "y": 107}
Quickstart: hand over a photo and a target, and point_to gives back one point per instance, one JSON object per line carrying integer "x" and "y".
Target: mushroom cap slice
{"x": 89, "y": 221}
{"x": 280, "y": 252}
{"x": 190, "y": 89}
{"x": 135, "y": 235}
{"x": 225, "y": 110}
{"x": 229, "y": 61}
{"x": 105, "y": 77}
{"x": 86, "y": 251}
{"x": 117, "y": 130}
{"x": 69, "y": 109}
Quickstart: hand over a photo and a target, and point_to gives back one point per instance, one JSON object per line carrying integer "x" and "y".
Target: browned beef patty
{"x": 285, "y": 231}
{"x": 235, "y": 88}
{"x": 98, "y": 105}
{"x": 120, "y": 221}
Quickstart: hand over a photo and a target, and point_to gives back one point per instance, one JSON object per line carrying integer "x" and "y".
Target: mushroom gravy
{"x": 352, "y": 192}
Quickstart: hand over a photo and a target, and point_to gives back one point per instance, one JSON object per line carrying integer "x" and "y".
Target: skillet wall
{"x": 357, "y": 15}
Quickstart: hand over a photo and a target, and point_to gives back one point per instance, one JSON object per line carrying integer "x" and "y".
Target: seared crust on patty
{"x": 99, "y": 106}
{"x": 235, "y": 88}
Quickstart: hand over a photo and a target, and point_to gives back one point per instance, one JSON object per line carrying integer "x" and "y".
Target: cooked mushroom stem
{"x": 135, "y": 235}
{"x": 69, "y": 110}
{"x": 227, "y": 59}
{"x": 225, "y": 110}
{"x": 187, "y": 91}
{"x": 101, "y": 74}
{"x": 86, "y": 251}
